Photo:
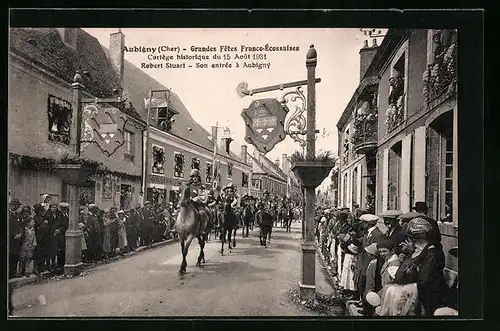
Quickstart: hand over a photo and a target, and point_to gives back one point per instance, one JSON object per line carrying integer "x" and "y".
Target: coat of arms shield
{"x": 103, "y": 126}
{"x": 265, "y": 120}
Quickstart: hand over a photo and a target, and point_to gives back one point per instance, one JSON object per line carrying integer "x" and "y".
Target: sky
{"x": 210, "y": 95}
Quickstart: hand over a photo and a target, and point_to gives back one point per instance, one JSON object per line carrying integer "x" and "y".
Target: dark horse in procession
{"x": 247, "y": 214}
{"x": 194, "y": 220}
{"x": 265, "y": 217}
{"x": 286, "y": 215}
{"x": 230, "y": 217}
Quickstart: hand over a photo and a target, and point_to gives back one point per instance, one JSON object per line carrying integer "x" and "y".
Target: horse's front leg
{"x": 182, "y": 269}
{"x": 222, "y": 240}
{"x": 201, "y": 256}
{"x": 185, "y": 249}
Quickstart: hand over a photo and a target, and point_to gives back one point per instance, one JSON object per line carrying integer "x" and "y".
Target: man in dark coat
{"x": 395, "y": 232}
{"x": 148, "y": 223}
{"x": 372, "y": 235}
{"x": 15, "y": 236}
{"x": 94, "y": 235}
{"x": 132, "y": 225}
{"x": 62, "y": 226}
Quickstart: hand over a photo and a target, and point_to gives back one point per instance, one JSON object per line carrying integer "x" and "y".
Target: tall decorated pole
{"x": 73, "y": 254}
{"x": 308, "y": 281}
{"x": 267, "y": 124}
{"x": 147, "y": 149}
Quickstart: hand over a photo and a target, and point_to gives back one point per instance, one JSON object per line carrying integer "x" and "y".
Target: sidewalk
{"x": 21, "y": 281}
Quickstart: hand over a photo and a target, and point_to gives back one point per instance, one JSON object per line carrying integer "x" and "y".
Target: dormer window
{"x": 164, "y": 118}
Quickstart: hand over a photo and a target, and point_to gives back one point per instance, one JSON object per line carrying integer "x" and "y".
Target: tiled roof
{"x": 45, "y": 48}
{"x": 260, "y": 167}
{"x": 138, "y": 83}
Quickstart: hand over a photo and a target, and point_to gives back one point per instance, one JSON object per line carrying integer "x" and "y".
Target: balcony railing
{"x": 441, "y": 75}
{"x": 365, "y": 134}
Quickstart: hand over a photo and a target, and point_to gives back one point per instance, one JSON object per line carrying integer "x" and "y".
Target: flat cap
{"x": 409, "y": 216}
{"x": 64, "y": 204}
{"x": 370, "y": 218}
{"x": 92, "y": 206}
{"x": 391, "y": 214}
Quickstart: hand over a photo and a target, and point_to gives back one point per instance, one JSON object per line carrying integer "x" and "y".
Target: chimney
{"x": 116, "y": 51}
{"x": 277, "y": 162}
{"x": 366, "y": 55}
{"x": 68, "y": 36}
{"x": 256, "y": 154}
{"x": 243, "y": 155}
{"x": 284, "y": 163}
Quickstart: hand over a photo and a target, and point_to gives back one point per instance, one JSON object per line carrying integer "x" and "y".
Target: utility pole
{"x": 147, "y": 163}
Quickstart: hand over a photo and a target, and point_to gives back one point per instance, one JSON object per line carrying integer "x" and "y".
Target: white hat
{"x": 121, "y": 212}
{"x": 391, "y": 214}
{"x": 63, "y": 204}
{"x": 370, "y": 218}
{"x": 353, "y": 248}
{"x": 371, "y": 249}
{"x": 92, "y": 205}
{"x": 445, "y": 311}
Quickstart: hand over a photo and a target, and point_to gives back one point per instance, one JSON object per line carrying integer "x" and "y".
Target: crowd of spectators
{"x": 37, "y": 233}
{"x": 390, "y": 264}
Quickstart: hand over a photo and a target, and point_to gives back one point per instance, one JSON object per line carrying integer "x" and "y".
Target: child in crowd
{"x": 28, "y": 247}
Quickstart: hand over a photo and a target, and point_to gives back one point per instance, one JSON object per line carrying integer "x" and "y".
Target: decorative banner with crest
{"x": 265, "y": 120}
{"x": 104, "y": 126}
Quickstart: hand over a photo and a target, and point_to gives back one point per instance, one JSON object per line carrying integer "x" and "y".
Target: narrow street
{"x": 249, "y": 281}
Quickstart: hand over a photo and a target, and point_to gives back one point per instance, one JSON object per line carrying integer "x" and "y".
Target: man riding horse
{"x": 230, "y": 219}
{"x": 201, "y": 198}
{"x": 194, "y": 218}
{"x": 247, "y": 213}
{"x": 265, "y": 217}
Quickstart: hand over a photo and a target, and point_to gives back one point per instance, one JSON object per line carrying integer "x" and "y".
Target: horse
{"x": 265, "y": 222}
{"x": 287, "y": 215}
{"x": 247, "y": 217}
{"x": 228, "y": 226}
{"x": 192, "y": 222}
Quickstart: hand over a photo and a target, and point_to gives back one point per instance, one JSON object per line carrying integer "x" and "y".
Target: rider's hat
{"x": 265, "y": 192}
{"x": 229, "y": 186}
{"x": 194, "y": 172}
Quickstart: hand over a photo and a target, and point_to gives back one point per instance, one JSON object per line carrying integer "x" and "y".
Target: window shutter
{"x": 432, "y": 171}
{"x": 385, "y": 179}
{"x": 419, "y": 161}
{"x": 405, "y": 189}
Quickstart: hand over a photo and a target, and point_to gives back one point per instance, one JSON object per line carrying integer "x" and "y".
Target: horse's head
{"x": 186, "y": 196}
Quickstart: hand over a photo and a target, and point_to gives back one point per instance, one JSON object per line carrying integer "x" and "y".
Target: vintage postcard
{"x": 233, "y": 172}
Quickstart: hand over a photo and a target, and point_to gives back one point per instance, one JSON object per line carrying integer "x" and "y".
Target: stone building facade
{"x": 42, "y": 63}
{"x": 412, "y": 84}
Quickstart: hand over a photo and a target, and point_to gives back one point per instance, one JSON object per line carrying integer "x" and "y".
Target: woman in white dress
{"x": 347, "y": 276}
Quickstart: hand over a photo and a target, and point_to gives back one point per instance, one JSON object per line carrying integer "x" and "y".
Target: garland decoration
{"x": 26, "y": 162}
